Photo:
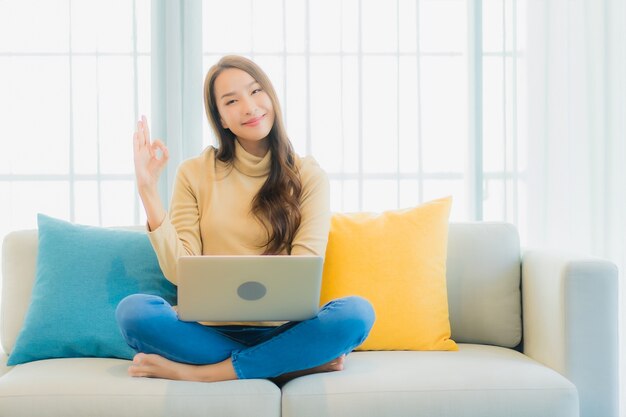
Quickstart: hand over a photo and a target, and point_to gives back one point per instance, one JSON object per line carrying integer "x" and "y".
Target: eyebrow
{"x": 232, "y": 93}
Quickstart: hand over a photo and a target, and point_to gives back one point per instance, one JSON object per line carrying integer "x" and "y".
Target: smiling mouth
{"x": 254, "y": 121}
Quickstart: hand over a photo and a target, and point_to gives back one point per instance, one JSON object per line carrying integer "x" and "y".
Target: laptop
{"x": 249, "y": 288}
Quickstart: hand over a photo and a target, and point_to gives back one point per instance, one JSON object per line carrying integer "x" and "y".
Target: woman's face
{"x": 244, "y": 107}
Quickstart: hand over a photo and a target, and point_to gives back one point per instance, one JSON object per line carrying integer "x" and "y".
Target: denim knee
{"x": 134, "y": 310}
{"x": 354, "y": 318}
{"x": 363, "y": 314}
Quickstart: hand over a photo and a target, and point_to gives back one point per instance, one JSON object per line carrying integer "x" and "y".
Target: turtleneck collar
{"x": 251, "y": 165}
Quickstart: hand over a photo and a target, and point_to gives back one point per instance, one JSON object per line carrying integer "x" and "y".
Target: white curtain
{"x": 177, "y": 79}
{"x": 577, "y": 131}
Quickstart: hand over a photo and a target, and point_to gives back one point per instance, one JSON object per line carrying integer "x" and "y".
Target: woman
{"x": 252, "y": 195}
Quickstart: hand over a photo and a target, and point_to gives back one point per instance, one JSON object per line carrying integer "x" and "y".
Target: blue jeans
{"x": 150, "y": 325}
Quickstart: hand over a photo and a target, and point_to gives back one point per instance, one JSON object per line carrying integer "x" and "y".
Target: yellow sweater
{"x": 210, "y": 210}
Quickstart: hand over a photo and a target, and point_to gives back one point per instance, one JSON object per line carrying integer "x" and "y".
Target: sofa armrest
{"x": 3, "y": 364}
{"x": 570, "y": 323}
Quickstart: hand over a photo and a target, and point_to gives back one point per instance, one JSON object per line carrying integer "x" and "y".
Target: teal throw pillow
{"x": 82, "y": 273}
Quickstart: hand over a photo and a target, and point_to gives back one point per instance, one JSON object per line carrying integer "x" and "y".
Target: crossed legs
{"x": 173, "y": 349}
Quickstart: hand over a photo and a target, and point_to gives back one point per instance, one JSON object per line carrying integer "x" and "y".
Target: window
{"x": 504, "y": 111}
{"x": 378, "y": 92}
{"x": 71, "y": 91}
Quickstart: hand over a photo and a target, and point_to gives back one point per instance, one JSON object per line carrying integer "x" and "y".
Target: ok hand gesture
{"x": 150, "y": 157}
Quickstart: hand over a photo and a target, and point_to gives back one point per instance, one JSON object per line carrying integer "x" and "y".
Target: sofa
{"x": 536, "y": 331}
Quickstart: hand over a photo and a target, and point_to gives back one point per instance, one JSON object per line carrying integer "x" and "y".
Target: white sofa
{"x": 566, "y": 364}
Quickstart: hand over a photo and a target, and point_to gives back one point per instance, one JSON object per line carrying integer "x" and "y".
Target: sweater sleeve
{"x": 179, "y": 234}
{"x": 312, "y": 235}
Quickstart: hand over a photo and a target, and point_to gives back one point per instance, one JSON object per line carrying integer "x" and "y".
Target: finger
{"x": 139, "y": 133}
{"x": 144, "y": 134}
{"x": 163, "y": 154}
{"x": 136, "y": 142}
{"x": 159, "y": 145}
{"x": 146, "y": 128}
{"x": 151, "y": 150}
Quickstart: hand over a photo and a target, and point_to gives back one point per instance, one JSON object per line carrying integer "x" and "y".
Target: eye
{"x": 229, "y": 102}
{"x": 257, "y": 90}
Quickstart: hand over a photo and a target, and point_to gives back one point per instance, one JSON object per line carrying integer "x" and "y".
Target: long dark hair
{"x": 277, "y": 204}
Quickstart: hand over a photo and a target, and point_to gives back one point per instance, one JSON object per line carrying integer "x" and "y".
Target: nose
{"x": 249, "y": 106}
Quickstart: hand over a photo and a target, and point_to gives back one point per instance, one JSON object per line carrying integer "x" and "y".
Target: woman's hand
{"x": 150, "y": 157}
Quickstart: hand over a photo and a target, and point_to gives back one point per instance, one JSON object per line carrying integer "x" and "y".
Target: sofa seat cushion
{"x": 101, "y": 387}
{"x": 476, "y": 381}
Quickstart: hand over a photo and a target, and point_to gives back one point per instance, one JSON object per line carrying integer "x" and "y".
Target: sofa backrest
{"x": 19, "y": 257}
{"x": 483, "y": 273}
{"x": 483, "y": 278}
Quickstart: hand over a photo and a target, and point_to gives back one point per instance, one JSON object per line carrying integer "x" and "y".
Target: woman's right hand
{"x": 150, "y": 157}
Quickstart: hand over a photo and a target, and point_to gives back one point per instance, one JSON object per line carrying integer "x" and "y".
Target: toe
{"x": 139, "y": 358}
{"x": 133, "y": 371}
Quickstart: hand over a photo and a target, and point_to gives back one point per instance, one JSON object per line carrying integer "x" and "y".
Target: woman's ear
{"x": 223, "y": 123}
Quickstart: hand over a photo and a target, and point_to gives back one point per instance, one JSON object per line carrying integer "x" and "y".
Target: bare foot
{"x": 334, "y": 365}
{"x": 155, "y": 366}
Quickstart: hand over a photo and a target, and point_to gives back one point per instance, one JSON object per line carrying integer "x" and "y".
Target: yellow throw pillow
{"x": 397, "y": 261}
